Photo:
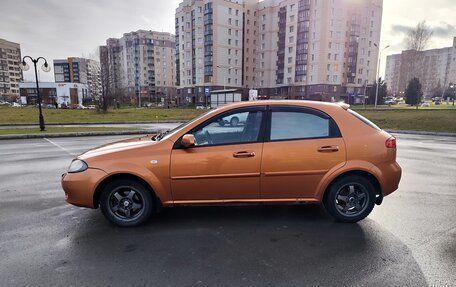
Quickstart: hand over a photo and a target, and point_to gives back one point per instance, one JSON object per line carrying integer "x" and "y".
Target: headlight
{"x": 77, "y": 165}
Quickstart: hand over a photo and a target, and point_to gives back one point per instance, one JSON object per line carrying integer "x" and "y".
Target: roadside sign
{"x": 253, "y": 95}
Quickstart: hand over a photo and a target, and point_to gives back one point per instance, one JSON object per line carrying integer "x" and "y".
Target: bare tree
{"x": 106, "y": 98}
{"x": 419, "y": 37}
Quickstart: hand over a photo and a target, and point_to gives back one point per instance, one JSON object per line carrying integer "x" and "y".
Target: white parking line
{"x": 59, "y": 146}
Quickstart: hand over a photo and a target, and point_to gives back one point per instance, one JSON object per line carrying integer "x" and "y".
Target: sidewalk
{"x": 92, "y": 123}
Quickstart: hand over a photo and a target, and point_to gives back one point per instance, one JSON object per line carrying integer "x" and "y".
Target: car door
{"x": 301, "y": 146}
{"x": 225, "y": 162}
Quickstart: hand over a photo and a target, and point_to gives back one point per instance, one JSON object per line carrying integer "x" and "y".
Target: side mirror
{"x": 188, "y": 140}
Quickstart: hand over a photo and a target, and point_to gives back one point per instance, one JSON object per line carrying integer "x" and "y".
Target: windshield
{"x": 170, "y": 133}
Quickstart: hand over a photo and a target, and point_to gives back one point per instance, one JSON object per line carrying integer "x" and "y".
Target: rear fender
{"x": 354, "y": 165}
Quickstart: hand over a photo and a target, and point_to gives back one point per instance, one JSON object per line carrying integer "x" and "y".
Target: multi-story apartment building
{"x": 10, "y": 73}
{"x": 209, "y": 47}
{"x": 140, "y": 62}
{"x": 435, "y": 69}
{"x": 80, "y": 70}
{"x": 304, "y": 49}
{"x": 392, "y": 73}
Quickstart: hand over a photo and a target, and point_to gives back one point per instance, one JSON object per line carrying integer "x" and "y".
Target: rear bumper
{"x": 80, "y": 187}
{"x": 390, "y": 176}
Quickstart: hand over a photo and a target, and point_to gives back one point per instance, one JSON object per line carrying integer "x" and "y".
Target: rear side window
{"x": 297, "y": 125}
{"x": 364, "y": 120}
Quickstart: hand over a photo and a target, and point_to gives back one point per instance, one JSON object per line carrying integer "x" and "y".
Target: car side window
{"x": 241, "y": 127}
{"x": 288, "y": 125}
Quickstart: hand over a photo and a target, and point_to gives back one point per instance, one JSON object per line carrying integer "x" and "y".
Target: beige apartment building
{"x": 435, "y": 68}
{"x": 300, "y": 49}
{"x": 140, "y": 62}
{"x": 10, "y": 73}
{"x": 209, "y": 47}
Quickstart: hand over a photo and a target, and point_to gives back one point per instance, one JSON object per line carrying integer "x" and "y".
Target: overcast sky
{"x": 61, "y": 28}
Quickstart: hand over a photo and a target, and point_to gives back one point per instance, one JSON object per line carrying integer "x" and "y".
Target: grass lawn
{"x": 413, "y": 120}
{"x": 397, "y": 117}
{"x": 30, "y": 131}
{"x": 27, "y": 115}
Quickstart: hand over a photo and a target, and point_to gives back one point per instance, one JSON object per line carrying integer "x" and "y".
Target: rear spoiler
{"x": 344, "y": 105}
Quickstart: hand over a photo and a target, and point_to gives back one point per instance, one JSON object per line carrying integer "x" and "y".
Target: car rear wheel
{"x": 350, "y": 199}
{"x": 126, "y": 202}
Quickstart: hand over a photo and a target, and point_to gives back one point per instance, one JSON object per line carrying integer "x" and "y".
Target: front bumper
{"x": 80, "y": 187}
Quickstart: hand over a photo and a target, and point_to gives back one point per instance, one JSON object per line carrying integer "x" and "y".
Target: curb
{"x": 80, "y": 134}
{"x": 95, "y": 123}
{"x": 422, "y": 133}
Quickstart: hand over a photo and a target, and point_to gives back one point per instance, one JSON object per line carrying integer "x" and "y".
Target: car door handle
{"x": 333, "y": 148}
{"x": 244, "y": 154}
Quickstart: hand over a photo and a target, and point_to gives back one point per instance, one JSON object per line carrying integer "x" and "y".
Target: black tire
{"x": 126, "y": 202}
{"x": 234, "y": 121}
{"x": 350, "y": 199}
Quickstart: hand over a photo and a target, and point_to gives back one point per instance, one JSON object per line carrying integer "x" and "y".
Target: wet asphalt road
{"x": 408, "y": 241}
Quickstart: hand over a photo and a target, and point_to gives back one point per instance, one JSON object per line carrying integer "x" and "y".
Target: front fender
{"x": 159, "y": 184}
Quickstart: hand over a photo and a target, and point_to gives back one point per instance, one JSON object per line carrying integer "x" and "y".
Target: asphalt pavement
{"x": 408, "y": 241}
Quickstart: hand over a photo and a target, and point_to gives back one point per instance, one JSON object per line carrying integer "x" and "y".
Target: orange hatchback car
{"x": 276, "y": 152}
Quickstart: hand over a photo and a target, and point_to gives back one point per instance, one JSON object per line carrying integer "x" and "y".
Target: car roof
{"x": 300, "y": 103}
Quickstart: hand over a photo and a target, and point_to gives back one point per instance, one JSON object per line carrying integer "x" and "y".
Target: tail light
{"x": 391, "y": 142}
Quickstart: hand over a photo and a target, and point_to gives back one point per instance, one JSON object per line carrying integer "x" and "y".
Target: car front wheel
{"x": 350, "y": 199}
{"x": 234, "y": 122}
{"x": 126, "y": 202}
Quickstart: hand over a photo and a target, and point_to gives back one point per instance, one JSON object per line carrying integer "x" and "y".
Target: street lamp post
{"x": 453, "y": 87}
{"x": 46, "y": 68}
{"x": 378, "y": 70}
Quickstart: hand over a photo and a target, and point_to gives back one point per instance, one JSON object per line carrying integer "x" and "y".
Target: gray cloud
{"x": 59, "y": 29}
{"x": 441, "y": 30}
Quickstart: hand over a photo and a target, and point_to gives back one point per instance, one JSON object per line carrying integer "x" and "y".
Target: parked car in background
{"x": 285, "y": 152}
{"x": 200, "y": 107}
{"x": 82, "y": 107}
{"x": 390, "y": 102}
{"x": 233, "y": 120}
{"x": 4, "y": 103}
{"x": 16, "y": 105}
{"x": 91, "y": 107}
